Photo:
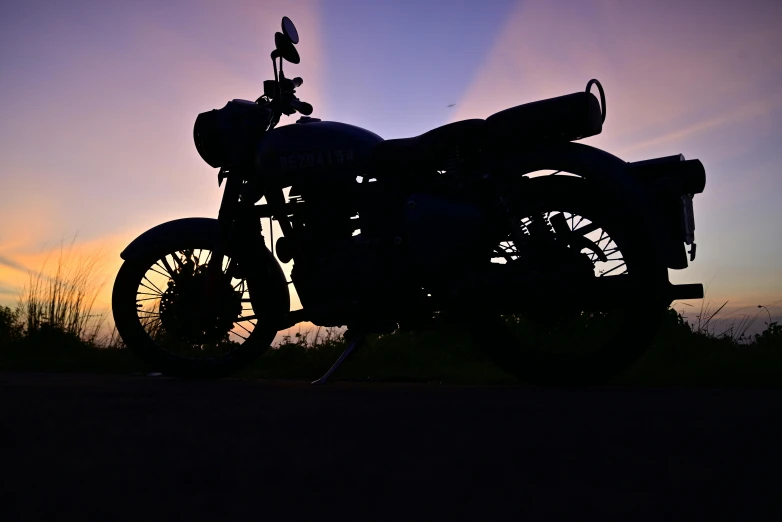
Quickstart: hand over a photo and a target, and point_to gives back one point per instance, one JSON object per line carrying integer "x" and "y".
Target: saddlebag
{"x": 671, "y": 182}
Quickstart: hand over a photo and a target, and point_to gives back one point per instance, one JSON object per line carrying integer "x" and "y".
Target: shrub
{"x": 11, "y": 328}
{"x": 771, "y": 336}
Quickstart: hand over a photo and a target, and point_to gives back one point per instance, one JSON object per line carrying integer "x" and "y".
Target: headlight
{"x": 224, "y": 137}
{"x": 209, "y": 140}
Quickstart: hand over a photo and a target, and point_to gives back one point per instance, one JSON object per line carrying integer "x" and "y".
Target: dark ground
{"x": 103, "y": 447}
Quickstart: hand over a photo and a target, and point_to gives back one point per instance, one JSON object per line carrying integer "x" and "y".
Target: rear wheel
{"x": 186, "y": 320}
{"x": 571, "y": 230}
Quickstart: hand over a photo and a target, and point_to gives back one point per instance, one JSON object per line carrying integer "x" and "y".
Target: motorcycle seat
{"x": 564, "y": 118}
{"x": 429, "y": 149}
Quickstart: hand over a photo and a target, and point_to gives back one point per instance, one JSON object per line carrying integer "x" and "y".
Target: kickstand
{"x": 358, "y": 340}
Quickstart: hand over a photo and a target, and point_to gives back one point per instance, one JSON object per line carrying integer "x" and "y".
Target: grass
{"x": 53, "y": 328}
{"x": 686, "y": 355}
{"x": 397, "y": 357}
{"x": 681, "y": 356}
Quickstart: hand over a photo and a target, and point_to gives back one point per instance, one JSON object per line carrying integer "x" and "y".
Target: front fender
{"x": 163, "y": 233}
{"x": 189, "y": 230}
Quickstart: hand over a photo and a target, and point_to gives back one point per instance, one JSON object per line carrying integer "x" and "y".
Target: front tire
{"x": 173, "y": 315}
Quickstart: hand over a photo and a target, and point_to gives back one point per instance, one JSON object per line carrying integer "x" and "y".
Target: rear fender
{"x": 588, "y": 162}
{"x": 595, "y": 165}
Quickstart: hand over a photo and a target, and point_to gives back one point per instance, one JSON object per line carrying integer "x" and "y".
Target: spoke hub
{"x": 200, "y": 307}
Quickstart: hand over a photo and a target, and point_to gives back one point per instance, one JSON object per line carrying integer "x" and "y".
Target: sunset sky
{"x": 99, "y": 99}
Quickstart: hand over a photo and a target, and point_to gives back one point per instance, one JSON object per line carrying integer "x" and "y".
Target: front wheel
{"x": 571, "y": 229}
{"x": 185, "y": 319}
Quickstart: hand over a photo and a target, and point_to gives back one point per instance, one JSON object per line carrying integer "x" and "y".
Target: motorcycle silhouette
{"x": 552, "y": 256}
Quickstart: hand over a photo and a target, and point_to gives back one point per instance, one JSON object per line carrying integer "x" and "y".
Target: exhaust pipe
{"x": 690, "y": 291}
{"x": 672, "y": 174}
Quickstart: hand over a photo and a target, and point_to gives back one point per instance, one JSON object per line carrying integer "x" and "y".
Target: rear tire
{"x": 527, "y": 352}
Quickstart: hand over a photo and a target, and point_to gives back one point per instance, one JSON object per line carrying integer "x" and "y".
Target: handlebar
{"x": 280, "y": 93}
{"x": 303, "y": 107}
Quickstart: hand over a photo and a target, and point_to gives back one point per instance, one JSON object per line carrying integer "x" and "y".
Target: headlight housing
{"x": 208, "y": 139}
{"x": 225, "y": 137}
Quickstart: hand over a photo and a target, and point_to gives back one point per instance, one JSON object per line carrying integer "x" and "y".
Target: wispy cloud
{"x": 737, "y": 116}
{"x": 6, "y": 261}
{"x": 679, "y": 77}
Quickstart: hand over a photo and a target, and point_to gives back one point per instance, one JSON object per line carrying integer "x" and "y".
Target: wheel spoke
{"x": 238, "y": 335}
{"x": 617, "y": 267}
{"x": 593, "y": 256}
{"x": 168, "y": 268}
{"x": 242, "y": 327}
{"x": 147, "y": 293}
{"x": 154, "y": 325}
{"x": 505, "y": 255}
{"x": 177, "y": 260}
{"x": 586, "y": 229}
{"x": 154, "y": 285}
{"x": 153, "y": 289}
{"x": 159, "y": 272}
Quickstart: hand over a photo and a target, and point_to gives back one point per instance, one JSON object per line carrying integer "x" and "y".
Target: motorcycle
{"x": 552, "y": 256}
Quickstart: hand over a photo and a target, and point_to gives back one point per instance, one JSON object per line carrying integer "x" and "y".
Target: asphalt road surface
{"x": 87, "y": 447}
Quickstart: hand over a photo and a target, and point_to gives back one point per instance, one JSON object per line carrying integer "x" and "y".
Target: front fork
{"x": 225, "y": 219}
{"x": 239, "y": 225}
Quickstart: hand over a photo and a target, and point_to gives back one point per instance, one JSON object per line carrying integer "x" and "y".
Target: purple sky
{"x": 99, "y": 99}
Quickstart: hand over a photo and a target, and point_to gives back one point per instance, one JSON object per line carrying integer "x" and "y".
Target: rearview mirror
{"x": 285, "y": 48}
{"x": 289, "y": 30}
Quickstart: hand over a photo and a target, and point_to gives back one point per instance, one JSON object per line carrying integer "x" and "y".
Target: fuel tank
{"x": 311, "y": 151}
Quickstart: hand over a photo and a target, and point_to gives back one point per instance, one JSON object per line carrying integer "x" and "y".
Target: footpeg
{"x": 357, "y": 341}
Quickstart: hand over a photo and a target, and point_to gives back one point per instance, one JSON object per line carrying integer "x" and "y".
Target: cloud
{"x": 665, "y": 66}
{"x": 7, "y": 291}
{"x": 6, "y": 261}
{"x": 679, "y": 77}
{"x": 743, "y": 114}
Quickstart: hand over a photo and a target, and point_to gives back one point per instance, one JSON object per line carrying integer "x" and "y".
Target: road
{"x": 100, "y": 447}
